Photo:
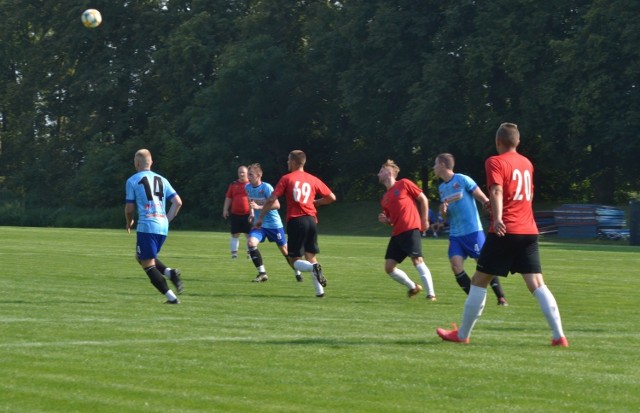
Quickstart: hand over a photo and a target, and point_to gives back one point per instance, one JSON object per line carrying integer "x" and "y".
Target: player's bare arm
{"x": 129, "y": 209}
{"x": 176, "y": 204}
{"x": 482, "y": 198}
{"x": 423, "y": 208}
{"x": 326, "y": 200}
{"x": 495, "y": 199}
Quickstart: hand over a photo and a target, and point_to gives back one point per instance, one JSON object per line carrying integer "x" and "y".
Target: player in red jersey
{"x": 405, "y": 208}
{"x": 236, "y": 208}
{"x": 303, "y": 192}
{"x": 512, "y": 241}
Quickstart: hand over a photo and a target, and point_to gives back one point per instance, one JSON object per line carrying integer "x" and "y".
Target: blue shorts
{"x": 272, "y": 234}
{"x": 148, "y": 245}
{"x": 467, "y": 245}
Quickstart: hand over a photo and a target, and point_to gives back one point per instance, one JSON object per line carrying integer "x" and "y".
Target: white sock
{"x": 319, "y": 289}
{"x": 234, "y": 243}
{"x": 425, "y": 276}
{"x": 167, "y": 273}
{"x": 303, "y": 265}
{"x": 261, "y": 269}
{"x": 400, "y": 276}
{"x": 549, "y": 308}
{"x": 473, "y": 307}
{"x": 170, "y": 295}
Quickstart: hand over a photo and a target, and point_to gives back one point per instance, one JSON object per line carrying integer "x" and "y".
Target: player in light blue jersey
{"x": 148, "y": 193}
{"x": 271, "y": 228}
{"x": 458, "y": 196}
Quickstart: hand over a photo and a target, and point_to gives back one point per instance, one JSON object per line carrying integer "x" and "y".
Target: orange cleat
{"x": 560, "y": 342}
{"x": 451, "y": 335}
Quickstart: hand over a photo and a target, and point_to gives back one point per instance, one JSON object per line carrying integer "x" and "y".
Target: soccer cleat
{"x": 261, "y": 277}
{"x": 299, "y": 278}
{"x": 176, "y": 280}
{"x": 176, "y": 301}
{"x": 317, "y": 272}
{"x": 414, "y": 291}
{"x": 431, "y": 297}
{"x": 320, "y": 295}
{"x": 234, "y": 256}
{"x": 503, "y": 302}
{"x": 560, "y": 342}
{"x": 451, "y": 335}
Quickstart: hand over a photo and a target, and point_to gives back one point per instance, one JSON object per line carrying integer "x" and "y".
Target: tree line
{"x": 208, "y": 85}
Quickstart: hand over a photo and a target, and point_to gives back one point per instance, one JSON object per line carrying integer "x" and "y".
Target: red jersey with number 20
{"x": 514, "y": 173}
{"x": 399, "y": 205}
{"x": 300, "y": 189}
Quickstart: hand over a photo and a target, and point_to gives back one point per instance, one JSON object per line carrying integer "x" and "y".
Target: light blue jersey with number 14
{"x": 150, "y": 192}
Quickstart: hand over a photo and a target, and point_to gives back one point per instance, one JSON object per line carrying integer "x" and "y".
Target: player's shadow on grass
{"x": 337, "y": 343}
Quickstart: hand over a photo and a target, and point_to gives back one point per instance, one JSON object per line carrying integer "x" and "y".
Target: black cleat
{"x": 176, "y": 280}
{"x": 317, "y": 272}
{"x": 261, "y": 277}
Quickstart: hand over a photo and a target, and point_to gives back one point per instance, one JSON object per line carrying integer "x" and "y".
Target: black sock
{"x": 256, "y": 257}
{"x": 464, "y": 281}
{"x": 288, "y": 262}
{"x": 160, "y": 266}
{"x": 157, "y": 279}
{"x": 497, "y": 287}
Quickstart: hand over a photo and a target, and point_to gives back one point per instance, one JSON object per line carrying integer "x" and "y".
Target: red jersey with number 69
{"x": 514, "y": 173}
{"x": 399, "y": 205}
{"x": 300, "y": 189}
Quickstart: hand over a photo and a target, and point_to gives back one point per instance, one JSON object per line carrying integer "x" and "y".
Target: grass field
{"x": 83, "y": 330}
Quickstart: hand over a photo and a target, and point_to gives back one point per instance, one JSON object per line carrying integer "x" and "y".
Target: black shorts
{"x": 239, "y": 224}
{"x": 510, "y": 253}
{"x": 302, "y": 234}
{"x": 406, "y": 244}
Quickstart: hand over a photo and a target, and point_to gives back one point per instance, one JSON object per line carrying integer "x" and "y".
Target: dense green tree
{"x": 207, "y": 85}
{"x": 601, "y": 73}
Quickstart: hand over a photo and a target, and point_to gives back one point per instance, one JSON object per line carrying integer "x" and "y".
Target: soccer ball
{"x": 91, "y": 18}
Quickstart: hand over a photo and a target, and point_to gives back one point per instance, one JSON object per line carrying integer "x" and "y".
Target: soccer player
{"x": 303, "y": 193}
{"x": 458, "y": 196}
{"x": 149, "y": 192}
{"x": 271, "y": 229}
{"x": 408, "y": 221}
{"x": 236, "y": 207}
{"x": 512, "y": 241}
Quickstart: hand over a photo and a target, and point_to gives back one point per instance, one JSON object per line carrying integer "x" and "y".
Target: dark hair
{"x": 447, "y": 159}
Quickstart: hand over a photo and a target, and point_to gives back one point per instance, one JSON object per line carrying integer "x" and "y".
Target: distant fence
{"x": 584, "y": 221}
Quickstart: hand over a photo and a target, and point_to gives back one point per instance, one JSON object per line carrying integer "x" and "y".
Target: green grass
{"x": 83, "y": 330}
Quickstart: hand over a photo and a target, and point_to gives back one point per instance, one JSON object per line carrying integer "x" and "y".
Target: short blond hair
{"x": 392, "y": 165}
{"x": 255, "y": 166}
{"x": 143, "y": 158}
